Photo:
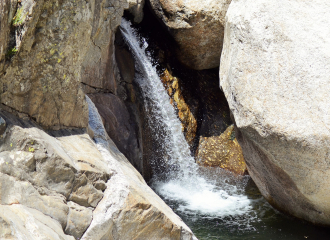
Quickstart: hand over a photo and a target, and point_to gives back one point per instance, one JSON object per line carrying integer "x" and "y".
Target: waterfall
{"x": 162, "y": 112}
{"x": 186, "y": 184}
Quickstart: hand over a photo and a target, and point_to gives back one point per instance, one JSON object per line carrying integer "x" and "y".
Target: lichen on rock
{"x": 222, "y": 151}
{"x": 186, "y": 116}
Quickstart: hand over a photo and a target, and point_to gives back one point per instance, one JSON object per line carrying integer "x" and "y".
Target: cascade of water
{"x": 187, "y": 186}
{"x": 158, "y": 102}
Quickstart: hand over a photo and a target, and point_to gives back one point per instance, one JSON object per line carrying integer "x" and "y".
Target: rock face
{"x": 79, "y": 219}
{"x": 221, "y": 151}
{"x": 7, "y": 11}
{"x": 274, "y": 73}
{"x": 118, "y": 125}
{"x": 129, "y": 209}
{"x": 136, "y": 9}
{"x": 186, "y": 115}
{"x": 18, "y": 221}
{"x": 42, "y": 173}
{"x": 197, "y": 27}
{"x": 52, "y": 47}
{"x": 68, "y": 185}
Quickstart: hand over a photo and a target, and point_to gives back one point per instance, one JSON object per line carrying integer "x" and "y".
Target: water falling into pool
{"x": 184, "y": 183}
{"x": 199, "y": 195}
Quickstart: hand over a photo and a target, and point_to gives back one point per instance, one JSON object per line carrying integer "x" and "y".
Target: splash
{"x": 193, "y": 190}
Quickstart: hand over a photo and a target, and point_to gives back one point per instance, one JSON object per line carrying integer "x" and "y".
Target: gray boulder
{"x": 198, "y": 28}
{"x": 275, "y": 75}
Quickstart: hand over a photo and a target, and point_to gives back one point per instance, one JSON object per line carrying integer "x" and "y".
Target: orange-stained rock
{"x": 187, "y": 118}
{"x": 222, "y": 151}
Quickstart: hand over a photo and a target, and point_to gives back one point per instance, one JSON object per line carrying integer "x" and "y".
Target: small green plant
{"x": 18, "y": 18}
{"x": 11, "y": 52}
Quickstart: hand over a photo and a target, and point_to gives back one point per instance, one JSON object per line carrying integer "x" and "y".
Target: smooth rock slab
{"x": 13, "y": 191}
{"x": 198, "y": 28}
{"x": 274, "y": 72}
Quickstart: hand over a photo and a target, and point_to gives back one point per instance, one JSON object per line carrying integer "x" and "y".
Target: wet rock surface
{"x": 118, "y": 124}
{"x": 2, "y": 126}
{"x": 186, "y": 114}
{"x": 200, "y": 104}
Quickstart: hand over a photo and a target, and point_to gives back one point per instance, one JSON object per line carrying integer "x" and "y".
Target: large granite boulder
{"x": 275, "y": 75}
{"x": 197, "y": 27}
{"x": 48, "y": 48}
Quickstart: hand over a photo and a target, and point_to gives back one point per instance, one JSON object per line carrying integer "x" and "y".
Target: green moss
{"x": 18, "y": 18}
{"x": 11, "y": 52}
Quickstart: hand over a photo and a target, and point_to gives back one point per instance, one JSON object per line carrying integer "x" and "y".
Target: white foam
{"x": 204, "y": 198}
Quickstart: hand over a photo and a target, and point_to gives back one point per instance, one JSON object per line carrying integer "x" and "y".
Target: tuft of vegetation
{"x": 11, "y": 52}
{"x": 18, "y": 18}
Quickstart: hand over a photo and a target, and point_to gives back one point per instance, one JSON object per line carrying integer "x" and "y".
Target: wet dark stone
{"x": 3, "y": 125}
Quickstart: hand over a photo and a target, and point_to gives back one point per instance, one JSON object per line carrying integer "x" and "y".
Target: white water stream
{"x": 195, "y": 192}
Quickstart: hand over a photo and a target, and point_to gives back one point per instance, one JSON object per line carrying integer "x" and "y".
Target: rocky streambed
{"x": 88, "y": 117}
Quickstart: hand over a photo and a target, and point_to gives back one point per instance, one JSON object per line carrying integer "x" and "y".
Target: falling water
{"x": 204, "y": 197}
{"x": 184, "y": 183}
